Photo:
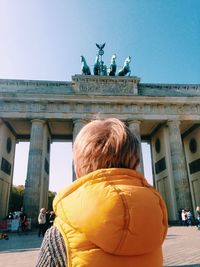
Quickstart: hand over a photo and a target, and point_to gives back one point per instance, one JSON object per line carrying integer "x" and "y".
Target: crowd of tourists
{"x": 187, "y": 218}
{"x": 22, "y": 219}
{"x": 45, "y": 221}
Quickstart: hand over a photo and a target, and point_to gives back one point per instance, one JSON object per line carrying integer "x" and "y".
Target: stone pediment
{"x": 105, "y": 85}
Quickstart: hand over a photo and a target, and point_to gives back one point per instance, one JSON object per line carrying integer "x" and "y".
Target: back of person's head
{"x": 42, "y": 210}
{"x": 105, "y": 144}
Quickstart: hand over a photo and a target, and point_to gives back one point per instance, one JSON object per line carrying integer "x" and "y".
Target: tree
{"x": 17, "y": 195}
{"x": 16, "y": 198}
{"x": 51, "y": 196}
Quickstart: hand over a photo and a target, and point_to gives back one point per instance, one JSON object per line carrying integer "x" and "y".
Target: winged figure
{"x": 101, "y": 46}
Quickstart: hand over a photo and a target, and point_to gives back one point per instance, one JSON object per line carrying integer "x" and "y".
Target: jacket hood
{"x": 116, "y": 209}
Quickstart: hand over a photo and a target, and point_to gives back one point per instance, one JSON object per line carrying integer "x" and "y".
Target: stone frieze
{"x": 48, "y": 109}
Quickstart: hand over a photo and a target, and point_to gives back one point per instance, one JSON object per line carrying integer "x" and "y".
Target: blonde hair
{"x": 105, "y": 144}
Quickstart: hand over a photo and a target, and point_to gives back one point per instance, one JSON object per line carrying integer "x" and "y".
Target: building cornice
{"x": 97, "y": 85}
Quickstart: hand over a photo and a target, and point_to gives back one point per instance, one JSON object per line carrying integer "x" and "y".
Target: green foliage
{"x": 16, "y": 198}
{"x": 17, "y": 195}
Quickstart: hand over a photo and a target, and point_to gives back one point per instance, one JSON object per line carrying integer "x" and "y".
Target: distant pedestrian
{"x": 42, "y": 222}
{"x": 198, "y": 222}
{"x": 179, "y": 216}
{"x": 184, "y": 217}
{"x": 198, "y": 217}
{"x": 197, "y": 210}
{"x": 23, "y": 220}
{"x": 189, "y": 218}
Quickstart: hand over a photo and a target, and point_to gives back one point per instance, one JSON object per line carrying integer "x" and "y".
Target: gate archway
{"x": 166, "y": 115}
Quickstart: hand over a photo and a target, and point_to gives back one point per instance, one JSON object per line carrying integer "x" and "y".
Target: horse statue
{"x": 113, "y": 66}
{"x": 102, "y": 69}
{"x": 96, "y": 66}
{"x": 126, "y": 68}
{"x": 84, "y": 67}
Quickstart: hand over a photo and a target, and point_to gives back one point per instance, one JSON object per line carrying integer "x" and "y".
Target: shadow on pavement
{"x": 170, "y": 237}
{"x": 20, "y": 242}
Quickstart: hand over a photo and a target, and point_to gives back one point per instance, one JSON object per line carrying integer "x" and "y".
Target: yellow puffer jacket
{"x": 112, "y": 218}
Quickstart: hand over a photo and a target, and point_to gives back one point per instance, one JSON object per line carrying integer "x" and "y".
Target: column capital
{"x": 38, "y": 121}
{"x": 173, "y": 123}
{"x": 77, "y": 126}
{"x": 129, "y": 122}
{"x": 83, "y": 121}
{"x": 134, "y": 125}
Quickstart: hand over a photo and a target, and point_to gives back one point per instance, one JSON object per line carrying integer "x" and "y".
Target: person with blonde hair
{"x": 110, "y": 216}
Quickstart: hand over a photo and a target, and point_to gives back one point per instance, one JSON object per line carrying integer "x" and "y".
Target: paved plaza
{"x": 181, "y": 249}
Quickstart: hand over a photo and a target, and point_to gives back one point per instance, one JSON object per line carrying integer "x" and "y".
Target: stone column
{"x": 179, "y": 168}
{"x": 44, "y": 188}
{"x": 34, "y": 172}
{"x": 134, "y": 126}
{"x": 78, "y": 125}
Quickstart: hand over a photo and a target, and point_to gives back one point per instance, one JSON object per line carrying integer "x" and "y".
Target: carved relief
{"x": 102, "y": 85}
{"x": 102, "y": 89}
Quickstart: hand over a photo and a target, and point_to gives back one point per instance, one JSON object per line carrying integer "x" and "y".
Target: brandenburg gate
{"x": 165, "y": 115}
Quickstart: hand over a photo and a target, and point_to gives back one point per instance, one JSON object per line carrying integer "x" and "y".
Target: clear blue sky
{"x": 43, "y": 40}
